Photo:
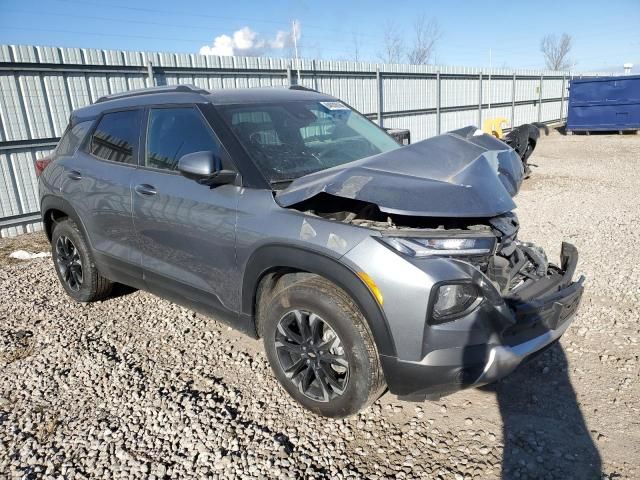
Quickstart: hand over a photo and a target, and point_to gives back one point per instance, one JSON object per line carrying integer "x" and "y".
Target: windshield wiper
{"x": 291, "y": 179}
{"x": 284, "y": 180}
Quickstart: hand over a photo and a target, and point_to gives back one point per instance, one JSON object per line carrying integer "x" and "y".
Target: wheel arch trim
{"x": 269, "y": 258}
{"x": 50, "y": 202}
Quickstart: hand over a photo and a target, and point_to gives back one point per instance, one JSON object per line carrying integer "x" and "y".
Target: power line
{"x": 147, "y": 22}
{"x": 171, "y": 12}
{"x": 456, "y": 46}
{"x": 460, "y": 51}
{"x": 205, "y": 15}
{"x": 112, "y": 19}
{"x": 101, "y": 34}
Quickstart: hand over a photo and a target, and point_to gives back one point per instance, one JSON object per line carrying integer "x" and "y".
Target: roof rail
{"x": 186, "y": 88}
{"x": 301, "y": 87}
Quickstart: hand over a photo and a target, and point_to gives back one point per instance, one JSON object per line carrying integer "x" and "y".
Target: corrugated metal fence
{"x": 40, "y": 86}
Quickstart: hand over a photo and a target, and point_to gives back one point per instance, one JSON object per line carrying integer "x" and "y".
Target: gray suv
{"x": 364, "y": 265}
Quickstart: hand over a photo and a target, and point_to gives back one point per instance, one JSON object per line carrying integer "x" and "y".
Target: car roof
{"x": 264, "y": 95}
{"x": 191, "y": 94}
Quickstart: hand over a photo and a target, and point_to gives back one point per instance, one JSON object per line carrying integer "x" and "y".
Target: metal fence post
{"x": 289, "y": 77}
{"x": 562, "y": 98}
{"x": 513, "y": 102}
{"x": 152, "y": 81}
{"x": 315, "y": 75}
{"x": 480, "y": 100}
{"x": 438, "y": 103}
{"x": 540, "y": 99}
{"x": 380, "y": 96}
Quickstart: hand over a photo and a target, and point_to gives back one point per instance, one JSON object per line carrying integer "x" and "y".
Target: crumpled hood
{"x": 457, "y": 174}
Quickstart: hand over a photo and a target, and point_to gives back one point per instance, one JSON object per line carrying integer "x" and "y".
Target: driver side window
{"x": 175, "y": 132}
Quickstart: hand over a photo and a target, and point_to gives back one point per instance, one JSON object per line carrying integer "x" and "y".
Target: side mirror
{"x": 221, "y": 177}
{"x": 198, "y": 165}
{"x": 206, "y": 168}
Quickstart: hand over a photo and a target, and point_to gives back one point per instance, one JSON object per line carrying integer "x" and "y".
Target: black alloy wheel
{"x": 312, "y": 355}
{"x": 69, "y": 263}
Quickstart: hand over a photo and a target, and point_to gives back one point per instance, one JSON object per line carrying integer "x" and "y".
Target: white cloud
{"x": 222, "y": 45}
{"x": 282, "y": 40}
{"x": 250, "y": 43}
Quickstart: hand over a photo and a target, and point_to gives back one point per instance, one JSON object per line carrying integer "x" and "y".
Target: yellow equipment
{"x": 494, "y": 126}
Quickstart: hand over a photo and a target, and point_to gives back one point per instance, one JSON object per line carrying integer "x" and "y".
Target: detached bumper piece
{"x": 547, "y": 318}
{"x": 540, "y": 315}
{"x": 548, "y": 303}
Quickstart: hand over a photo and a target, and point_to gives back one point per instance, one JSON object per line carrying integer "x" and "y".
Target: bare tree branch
{"x": 556, "y": 51}
{"x": 426, "y": 36}
{"x": 393, "y": 45}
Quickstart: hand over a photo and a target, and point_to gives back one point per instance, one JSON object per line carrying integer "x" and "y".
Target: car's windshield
{"x": 290, "y": 139}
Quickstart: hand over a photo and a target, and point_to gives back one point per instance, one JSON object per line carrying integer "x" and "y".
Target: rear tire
{"x": 321, "y": 350}
{"x": 74, "y": 264}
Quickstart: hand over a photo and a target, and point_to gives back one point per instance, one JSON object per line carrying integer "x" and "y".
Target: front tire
{"x": 321, "y": 350}
{"x": 74, "y": 264}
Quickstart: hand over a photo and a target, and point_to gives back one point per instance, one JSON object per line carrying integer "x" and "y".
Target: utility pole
{"x": 294, "y": 32}
{"x": 489, "y": 86}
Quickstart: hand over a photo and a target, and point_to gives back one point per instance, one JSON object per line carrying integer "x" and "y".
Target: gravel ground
{"x": 135, "y": 387}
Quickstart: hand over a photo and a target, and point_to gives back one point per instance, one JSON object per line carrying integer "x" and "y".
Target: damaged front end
{"x": 456, "y": 185}
{"x": 500, "y": 302}
{"x": 484, "y": 300}
{"x": 518, "y": 270}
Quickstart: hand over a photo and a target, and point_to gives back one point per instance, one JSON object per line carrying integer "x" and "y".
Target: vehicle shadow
{"x": 544, "y": 431}
{"x": 121, "y": 290}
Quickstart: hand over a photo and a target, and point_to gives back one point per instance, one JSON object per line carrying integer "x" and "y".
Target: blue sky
{"x": 606, "y": 34}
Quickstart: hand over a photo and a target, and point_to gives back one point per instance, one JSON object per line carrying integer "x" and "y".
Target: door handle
{"x": 74, "y": 175}
{"x": 145, "y": 189}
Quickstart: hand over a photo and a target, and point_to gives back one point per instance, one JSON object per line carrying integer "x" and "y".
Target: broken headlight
{"x": 443, "y": 246}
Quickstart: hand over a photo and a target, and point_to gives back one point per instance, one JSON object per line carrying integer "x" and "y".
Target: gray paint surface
{"x": 445, "y": 176}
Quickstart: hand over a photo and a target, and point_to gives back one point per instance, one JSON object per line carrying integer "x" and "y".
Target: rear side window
{"x": 116, "y": 137}
{"x": 174, "y": 132}
{"x": 71, "y": 138}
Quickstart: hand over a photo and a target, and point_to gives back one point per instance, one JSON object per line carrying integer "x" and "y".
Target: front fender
{"x": 268, "y": 258}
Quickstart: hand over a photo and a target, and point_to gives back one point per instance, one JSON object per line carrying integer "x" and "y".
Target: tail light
{"x": 41, "y": 165}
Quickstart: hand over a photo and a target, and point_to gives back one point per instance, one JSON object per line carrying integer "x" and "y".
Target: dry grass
{"x": 47, "y": 428}
{"x": 15, "y": 346}
{"x": 30, "y": 242}
{"x": 16, "y": 355}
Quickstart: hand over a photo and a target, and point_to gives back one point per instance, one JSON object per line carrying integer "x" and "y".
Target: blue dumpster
{"x": 604, "y": 103}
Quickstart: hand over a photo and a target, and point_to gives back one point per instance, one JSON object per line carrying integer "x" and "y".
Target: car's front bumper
{"x": 504, "y": 359}
{"x": 535, "y": 324}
